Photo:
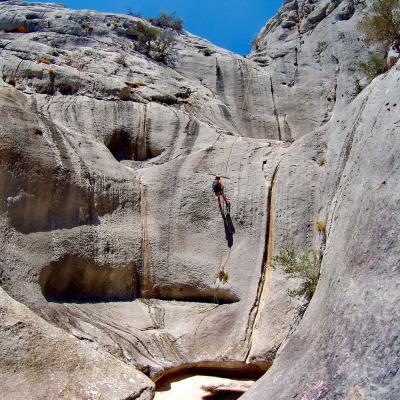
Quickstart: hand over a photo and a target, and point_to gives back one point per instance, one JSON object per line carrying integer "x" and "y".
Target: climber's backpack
{"x": 216, "y": 186}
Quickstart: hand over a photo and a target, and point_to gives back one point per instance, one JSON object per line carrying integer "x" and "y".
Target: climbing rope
{"x": 229, "y": 158}
{"x": 222, "y": 274}
{"x": 230, "y": 153}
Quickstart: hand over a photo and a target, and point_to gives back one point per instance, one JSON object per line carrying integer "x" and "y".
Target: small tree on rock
{"x": 380, "y": 25}
{"x": 162, "y": 46}
{"x": 151, "y": 41}
{"x": 168, "y": 21}
{"x": 300, "y": 265}
{"x": 145, "y": 36}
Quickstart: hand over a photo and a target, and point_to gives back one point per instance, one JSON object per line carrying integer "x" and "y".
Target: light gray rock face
{"x": 312, "y": 52}
{"x": 109, "y": 228}
{"x": 35, "y": 358}
{"x": 146, "y": 236}
{"x": 347, "y": 344}
{"x": 87, "y": 53}
{"x": 293, "y": 212}
{"x": 243, "y": 87}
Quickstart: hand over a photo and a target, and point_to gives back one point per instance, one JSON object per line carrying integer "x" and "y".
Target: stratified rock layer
{"x": 40, "y": 361}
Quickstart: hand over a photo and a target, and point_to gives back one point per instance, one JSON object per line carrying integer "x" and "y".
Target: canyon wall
{"x": 113, "y": 243}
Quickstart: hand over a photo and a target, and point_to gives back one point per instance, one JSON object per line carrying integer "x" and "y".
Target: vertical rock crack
{"x": 266, "y": 268}
{"x": 275, "y": 109}
{"x": 144, "y": 281}
{"x": 141, "y": 140}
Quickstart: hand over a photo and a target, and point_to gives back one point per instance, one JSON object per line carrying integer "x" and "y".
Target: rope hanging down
{"x": 222, "y": 274}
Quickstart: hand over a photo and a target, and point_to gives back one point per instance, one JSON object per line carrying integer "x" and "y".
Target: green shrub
{"x": 151, "y": 41}
{"x": 300, "y": 265}
{"x": 144, "y": 34}
{"x": 87, "y": 26}
{"x": 374, "y": 67}
{"x": 381, "y": 23}
{"x": 162, "y": 47}
{"x": 208, "y": 52}
{"x": 168, "y": 21}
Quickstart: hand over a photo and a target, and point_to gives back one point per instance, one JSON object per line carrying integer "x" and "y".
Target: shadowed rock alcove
{"x": 120, "y": 146}
{"x": 210, "y": 380}
{"x": 77, "y": 279}
{"x": 123, "y": 147}
{"x": 182, "y": 292}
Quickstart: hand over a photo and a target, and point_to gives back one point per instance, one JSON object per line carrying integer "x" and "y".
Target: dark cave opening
{"x": 120, "y": 146}
{"x": 223, "y": 395}
{"x": 123, "y": 147}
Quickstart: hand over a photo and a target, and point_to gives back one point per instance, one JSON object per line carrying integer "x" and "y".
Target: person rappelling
{"x": 218, "y": 188}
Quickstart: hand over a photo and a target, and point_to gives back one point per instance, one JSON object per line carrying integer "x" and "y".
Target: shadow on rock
{"x": 228, "y": 225}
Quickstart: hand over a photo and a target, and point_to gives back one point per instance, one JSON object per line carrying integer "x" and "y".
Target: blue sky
{"x": 231, "y": 24}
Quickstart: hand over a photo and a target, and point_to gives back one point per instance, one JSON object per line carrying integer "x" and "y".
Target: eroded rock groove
{"x": 275, "y": 109}
{"x": 144, "y": 273}
{"x": 266, "y": 268}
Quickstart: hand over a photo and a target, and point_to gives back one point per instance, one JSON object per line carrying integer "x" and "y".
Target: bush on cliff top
{"x": 164, "y": 21}
{"x": 151, "y": 41}
{"x": 168, "y": 21}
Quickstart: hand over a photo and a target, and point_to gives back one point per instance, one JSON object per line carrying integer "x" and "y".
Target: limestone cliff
{"x": 347, "y": 343}
{"x": 311, "y": 50}
{"x": 109, "y": 229}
